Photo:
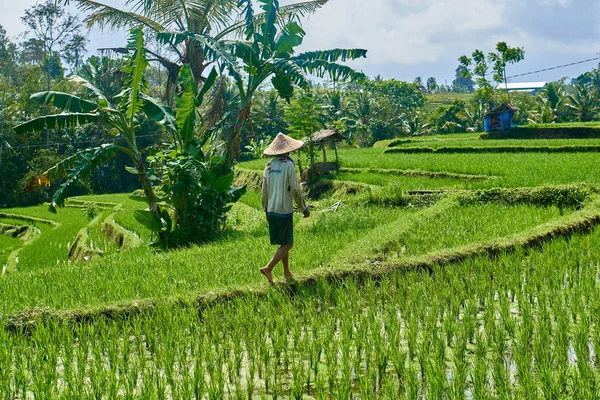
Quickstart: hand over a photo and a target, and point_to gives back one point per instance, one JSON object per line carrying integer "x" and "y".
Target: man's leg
{"x": 280, "y": 253}
{"x": 286, "y": 266}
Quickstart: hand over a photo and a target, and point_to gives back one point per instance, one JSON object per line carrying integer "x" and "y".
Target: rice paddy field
{"x": 458, "y": 276}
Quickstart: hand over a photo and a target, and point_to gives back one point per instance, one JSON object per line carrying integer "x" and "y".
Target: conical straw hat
{"x": 283, "y": 144}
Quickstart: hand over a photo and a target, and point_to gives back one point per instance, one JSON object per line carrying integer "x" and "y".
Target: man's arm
{"x": 265, "y": 191}
{"x": 296, "y": 192}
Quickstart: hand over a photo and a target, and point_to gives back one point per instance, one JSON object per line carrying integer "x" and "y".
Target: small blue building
{"x": 500, "y": 118}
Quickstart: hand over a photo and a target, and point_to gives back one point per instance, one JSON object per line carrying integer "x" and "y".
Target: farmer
{"x": 280, "y": 185}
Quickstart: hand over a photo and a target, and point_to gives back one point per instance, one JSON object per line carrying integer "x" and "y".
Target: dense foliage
{"x": 365, "y": 112}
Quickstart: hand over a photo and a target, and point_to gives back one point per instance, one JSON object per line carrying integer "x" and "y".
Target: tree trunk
{"x": 235, "y": 137}
{"x": 150, "y": 197}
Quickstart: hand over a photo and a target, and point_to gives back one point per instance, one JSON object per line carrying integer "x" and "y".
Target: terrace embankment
{"x": 581, "y": 220}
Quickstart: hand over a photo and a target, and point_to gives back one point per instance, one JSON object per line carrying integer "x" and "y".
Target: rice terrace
{"x": 450, "y": 245}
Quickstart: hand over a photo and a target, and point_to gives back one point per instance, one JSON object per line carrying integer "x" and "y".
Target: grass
{"x": 515, "y": 170}
{"x": 322, "y": 240}
{"x": 405, "y": 182}
{"x": 139, "y": 273}
{"x": 443, "y": 99}
{"x": 517, "y": 323}
{"x": 7, "y": 245}
{"x": 476, "y": 143}
{"x": 472, "y": 224}
{"x": 565, "y": 125}
{"x": 52, "y": 247}
{"x": 478, "y": 295}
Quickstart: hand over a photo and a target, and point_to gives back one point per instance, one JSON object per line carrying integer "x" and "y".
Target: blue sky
{"x": 408, "y": 38}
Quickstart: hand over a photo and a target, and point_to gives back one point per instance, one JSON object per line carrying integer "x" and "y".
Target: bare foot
{"x": 288, "y": 274}
{"x": 267, "y": 275}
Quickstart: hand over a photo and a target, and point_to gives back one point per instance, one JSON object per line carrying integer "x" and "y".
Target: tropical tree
{"x": 462, "y": 82}
{"x": 195, "y": 185}
{"x": 211, "y": 21}
{"x": 584, "y": 102}
{"x": 363, "y": 114}
{"x": 550, "y": 101}
{"x": 54, "y": 29}
{"x": 504, "y": 55}
{"x": 105, "y": 74}
{"x": 478, "y": 65}
{"x": 414, "y": 124}
{"x": 268, "y": 52}
{"x": 193, "y": 189}
{"x": 269, "y": 113}
{"x": 122, "y": 119}
{"x": 74, "y": 50}
{"x": 432, "y": 85}
{"x": 389, "y": 100}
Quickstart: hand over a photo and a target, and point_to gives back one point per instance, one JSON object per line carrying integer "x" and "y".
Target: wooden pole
{"x": 324, "y": 152}
{"x": 337, "y": 161}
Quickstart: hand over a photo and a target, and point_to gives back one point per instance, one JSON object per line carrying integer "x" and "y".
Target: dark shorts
{"x": 281, "y": 229}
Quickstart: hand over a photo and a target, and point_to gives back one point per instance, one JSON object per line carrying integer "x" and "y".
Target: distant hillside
{"x": 443, "y": 99}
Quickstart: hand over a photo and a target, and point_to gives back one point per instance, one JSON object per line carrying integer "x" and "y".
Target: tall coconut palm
{"x": 584, "y": 102}
{"x": 212, "y": 20}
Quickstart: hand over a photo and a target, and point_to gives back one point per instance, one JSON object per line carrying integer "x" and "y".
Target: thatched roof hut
{"x": 322, "y": 138}
{"x": 327, "y": 136}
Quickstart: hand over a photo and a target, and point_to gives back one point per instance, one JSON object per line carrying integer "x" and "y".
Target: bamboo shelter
{"x": 322, "y": 138}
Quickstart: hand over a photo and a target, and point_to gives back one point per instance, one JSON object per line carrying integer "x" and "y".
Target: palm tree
{"x": 270, "y": 112}
{"x": 584, "y": 102}
{"x": 211, "y": 20}
{"x": 268, "y": 52}
{"x": 413, "y": 124}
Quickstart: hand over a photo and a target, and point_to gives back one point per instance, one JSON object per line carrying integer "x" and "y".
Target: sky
{"x": 410, "y": 38}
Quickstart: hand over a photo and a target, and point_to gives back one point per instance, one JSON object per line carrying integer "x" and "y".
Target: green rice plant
{"x": 516, "y": 170}
{"x": 479, "y": 373}
{"x": 458, "y": 385}
{"x": 412, "y": 383}
{"x": 405, "y": 182}
{"x": 524, "y": 364}
{"x": 7, "y": 246}
{"x": 503, "y": 325}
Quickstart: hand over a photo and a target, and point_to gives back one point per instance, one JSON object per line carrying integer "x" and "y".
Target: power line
{"x": 553, "y": 68}
{"x": 35, "y": 146}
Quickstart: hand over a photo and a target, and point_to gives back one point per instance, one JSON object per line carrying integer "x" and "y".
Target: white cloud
{"x": 399, "y": 32}
{"x": 10, "y": 17}
{"x": 553, "y": 3}
{"x": 406, "y": 38}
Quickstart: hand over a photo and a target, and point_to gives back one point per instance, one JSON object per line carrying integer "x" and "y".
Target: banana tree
{"x": 194, "y": 185}
{"x": 121, "y": 119}
{"x": 268, "y": 52}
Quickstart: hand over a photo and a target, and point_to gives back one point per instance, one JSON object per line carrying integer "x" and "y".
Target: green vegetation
{"x": 488, "y": 254}
{"x": 497, "y": 149}
{"x": 579, "y": 130}
{"x": 432, "y": 266}
{"x": 7, "y": 245}
{"x": 436, "y": 142}
{"x": 527, "y": 315}
{"x": 515, "y": 170}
